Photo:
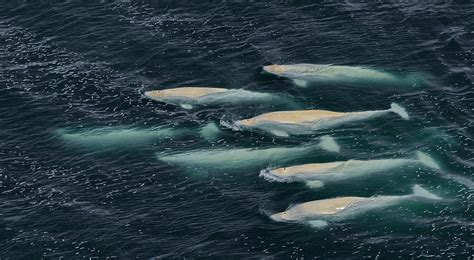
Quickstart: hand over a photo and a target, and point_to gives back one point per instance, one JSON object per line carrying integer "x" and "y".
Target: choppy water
{"x": 78, "y": 67}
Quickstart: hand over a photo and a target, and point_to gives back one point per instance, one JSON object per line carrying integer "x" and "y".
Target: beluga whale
{"x": 317, "y": 213}
{"x": 187, "y": 97}
{"x": 316, "y": 174}
{"x": 244, "y": 158}
{"x": 119, "y": 137}
{"x": 303, "y": 74}
{"x": 301, "y": 122}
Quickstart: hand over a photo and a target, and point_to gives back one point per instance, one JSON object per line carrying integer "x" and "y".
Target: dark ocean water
{"x": 76, "y": 66}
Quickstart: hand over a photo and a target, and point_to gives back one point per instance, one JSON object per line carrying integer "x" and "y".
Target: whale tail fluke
{"x": 328, "y": 143}
{"x": 426, "y": 160}
{"x": 401, "y": 111}
{"x": 418, "y": 79}
{"x": 418, "y": 191}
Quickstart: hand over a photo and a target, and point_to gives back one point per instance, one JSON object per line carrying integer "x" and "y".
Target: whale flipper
{"x": 279, "y": 133}
{"x": 318, "y": 223}
{"x": 314, "y": 184}
{"x": 300, "y": 83}
{"x": 186, "y": 106}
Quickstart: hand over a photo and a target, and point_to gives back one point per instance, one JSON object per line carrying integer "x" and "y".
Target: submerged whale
{"x": 302, "y": 74}
{"x": 299, "y": 122}
{"x": 318, "y": 212}
{"x": 116, "y": 136}
{"x": 239, "y": 158}
{"x": 127, "y": 136}
{"x": 187, "y": 97}
{"x": 316, "y": 174}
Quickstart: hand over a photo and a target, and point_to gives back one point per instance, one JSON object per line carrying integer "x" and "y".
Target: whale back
{"x": 187, "y": 92}
{"x": 293, "y": 117}
{"x": 296, "y": 69}
{"x": 328, "y": 70}
{"x": 236, "y": 158}
{"x": 322, "y": 207}
{"x": 357, "y": 72}
{"x": 117, "y": 136}
{"x": 311, "y": 167}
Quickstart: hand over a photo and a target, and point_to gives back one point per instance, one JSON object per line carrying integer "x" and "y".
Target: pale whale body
{"x": 300, "y": 122}
{"x": 129, "y": 136}
{"x": 316, "y": 174}
{"x": 302, "y": 74}
{"x": 187, "y": 97}
{"x": 318, "y": 212}
{"x": 113, "y": 136}
{"x": 238, "y": 158}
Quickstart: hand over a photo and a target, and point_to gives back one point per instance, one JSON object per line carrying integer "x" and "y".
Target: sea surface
{"x": 80, "y": 146}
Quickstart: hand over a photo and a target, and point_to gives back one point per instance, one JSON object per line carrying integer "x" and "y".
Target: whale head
{"x": 155, "y": 94}
{"x": 245, "y": 122}
{"x": 278, "y": 217}
{"x": 275, "y": 69}
{"x": 289, "y": 215}
{"x": 274, "y": 175}
{"x": 281, "y": 173}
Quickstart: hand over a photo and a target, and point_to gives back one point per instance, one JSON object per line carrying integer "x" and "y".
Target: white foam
{"x": 230, "y": 125}
{"x": 269, "y": 176}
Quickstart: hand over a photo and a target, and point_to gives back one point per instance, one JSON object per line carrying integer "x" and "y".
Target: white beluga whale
{"x": 303, "y": 74}
{"x": 116, "y": 136}
{"x": 130, "y": 136}
{"x": 239, "y": 158}
{"x": 316, "y": 174}
{"x": 187, "y": 97}
{"x": 300, "y": 122}
{"x": 317, "y": 213}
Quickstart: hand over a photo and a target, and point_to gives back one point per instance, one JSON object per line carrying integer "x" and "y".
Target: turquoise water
{"x": 73, "y": 71}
